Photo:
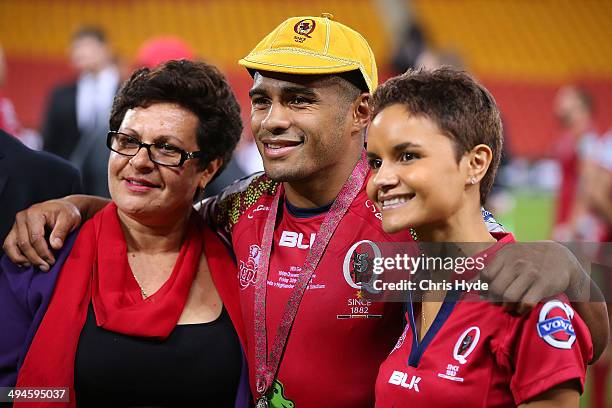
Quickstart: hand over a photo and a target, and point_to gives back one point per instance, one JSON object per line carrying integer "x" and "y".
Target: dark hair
{"x": 196, "y": 86}
{"x": 91, "y": 32}
{"x": 355, "y": 78}
{"x": 585, "y": 98}
{"x": 462, "y": 109}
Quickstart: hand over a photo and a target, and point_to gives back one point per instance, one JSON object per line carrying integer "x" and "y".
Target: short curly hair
{"x": 461, "y": 108}
{"x": 196, "y": 86}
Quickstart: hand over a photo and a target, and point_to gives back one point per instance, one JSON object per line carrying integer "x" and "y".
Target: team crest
{"x": 466, "y": 344}
{"x": 555, "y": 324}
{"x": 357, "y": 265}
{"x": 247, "y": 273}
{"x": 305, "y": 27}
{"x": 361, "y": 271}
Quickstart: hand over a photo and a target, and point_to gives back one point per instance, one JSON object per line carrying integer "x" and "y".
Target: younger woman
{"x": 434, "y": 145}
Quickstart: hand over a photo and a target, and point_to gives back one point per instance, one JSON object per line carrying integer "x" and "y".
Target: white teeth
{"x": 274, "y": 146}
{"x": 137, "y": 183}
{"x": 394, "y": 201}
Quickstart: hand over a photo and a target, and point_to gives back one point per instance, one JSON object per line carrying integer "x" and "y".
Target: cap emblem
{"x": 304, "y": 27}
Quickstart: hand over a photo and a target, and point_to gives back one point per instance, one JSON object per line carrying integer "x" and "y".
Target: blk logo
{"x": 291, "y": 239}
{"x": 401, "y": 379}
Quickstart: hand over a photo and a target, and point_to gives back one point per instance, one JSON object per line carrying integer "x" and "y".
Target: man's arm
{"x": 562, "y": 396}
{"x": 522, "y": 274}
{"x": 26, "y": 245}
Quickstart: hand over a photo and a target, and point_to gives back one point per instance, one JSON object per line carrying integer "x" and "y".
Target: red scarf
{"x": 97, "y": 271}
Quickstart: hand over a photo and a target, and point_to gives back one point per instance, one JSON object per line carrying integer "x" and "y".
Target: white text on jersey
{"x": 293, "y": 239}
{"x": 399, "y": 378}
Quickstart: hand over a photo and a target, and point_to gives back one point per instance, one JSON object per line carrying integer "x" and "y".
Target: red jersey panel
{"x": 338, "y": 339}
{"x": 477, "y": 355}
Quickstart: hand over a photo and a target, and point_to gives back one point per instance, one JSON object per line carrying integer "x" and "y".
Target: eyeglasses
{"x": 161, "y": 153}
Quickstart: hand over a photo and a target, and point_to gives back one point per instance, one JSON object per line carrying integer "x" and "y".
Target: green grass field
{"x": 532, "y": 216}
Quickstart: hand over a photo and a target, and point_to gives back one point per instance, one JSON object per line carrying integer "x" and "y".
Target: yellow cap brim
{"x": 301, "y": 63}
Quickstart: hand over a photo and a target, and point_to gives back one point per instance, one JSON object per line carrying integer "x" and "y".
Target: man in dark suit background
{"x": 28, "y": 177}
{"x": 76, "y": 122}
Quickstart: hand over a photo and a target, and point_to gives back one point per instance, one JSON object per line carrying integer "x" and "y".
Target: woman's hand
{"x": 26, "y": 245}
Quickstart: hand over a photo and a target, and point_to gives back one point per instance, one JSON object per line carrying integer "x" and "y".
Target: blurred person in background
{"x": 8, "y": 117}
{"x": 77, "y": 115}
{"x": 584, "y": 209}
{"x": 411, "y": 45}
{"x": 157, "y": 50}
{"x": 575, "y": 148}
{"x": 596, "y": 180}
{"x": 430, "y": 59}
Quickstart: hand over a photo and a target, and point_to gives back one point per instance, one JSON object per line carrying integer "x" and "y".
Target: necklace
{"x": 423, "y": 322}
{"x": 142, "y": 292}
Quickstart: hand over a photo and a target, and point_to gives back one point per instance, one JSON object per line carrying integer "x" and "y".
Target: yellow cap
{"x": 314, "y": 45}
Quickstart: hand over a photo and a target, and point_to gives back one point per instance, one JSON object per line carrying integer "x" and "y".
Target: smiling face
{"x": 148, "y": 192}
{"x": 416, "y": 180}
{"x": 301, "y": 124}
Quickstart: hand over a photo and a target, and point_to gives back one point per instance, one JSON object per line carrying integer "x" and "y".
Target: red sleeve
{"x": 547, "y": 347}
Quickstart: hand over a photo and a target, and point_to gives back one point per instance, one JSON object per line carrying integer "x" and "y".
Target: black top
{"x": 197, "y": 365}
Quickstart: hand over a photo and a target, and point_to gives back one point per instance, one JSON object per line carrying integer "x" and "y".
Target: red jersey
{"x": 338, "y": 339}
{"x": 476, "y": 355}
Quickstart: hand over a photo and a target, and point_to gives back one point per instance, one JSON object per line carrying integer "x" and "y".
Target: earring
{"x": 472, "y": 180}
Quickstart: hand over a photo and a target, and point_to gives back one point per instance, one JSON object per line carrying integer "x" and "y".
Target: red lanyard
{"x": 267, "y": 366}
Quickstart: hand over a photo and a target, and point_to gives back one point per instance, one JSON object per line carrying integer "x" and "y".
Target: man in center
{"x": 312, "y": 79}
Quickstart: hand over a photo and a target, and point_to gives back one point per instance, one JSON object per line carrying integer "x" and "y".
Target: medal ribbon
{"x": 267, "y": 366}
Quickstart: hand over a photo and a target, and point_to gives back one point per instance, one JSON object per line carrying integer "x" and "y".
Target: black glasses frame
{"x": 184, "y": 155}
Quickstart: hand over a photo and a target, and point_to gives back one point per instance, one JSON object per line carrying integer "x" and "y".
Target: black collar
{"x": 307, "y": 212}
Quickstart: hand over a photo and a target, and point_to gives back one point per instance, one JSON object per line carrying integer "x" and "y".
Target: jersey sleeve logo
{"x": 466, "y": 343}
{"x": 247, "y": 274}
{"x": 555, "y": 324}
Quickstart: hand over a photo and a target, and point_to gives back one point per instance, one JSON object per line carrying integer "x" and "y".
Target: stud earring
{"x": 472, "y": 180}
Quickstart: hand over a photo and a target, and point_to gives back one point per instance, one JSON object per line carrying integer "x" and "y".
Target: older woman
{"x": 135, "y": 318}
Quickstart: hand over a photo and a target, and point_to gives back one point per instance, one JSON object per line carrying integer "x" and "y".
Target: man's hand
{"x": 26, "y": 245}
{"x": 523, "y": 274}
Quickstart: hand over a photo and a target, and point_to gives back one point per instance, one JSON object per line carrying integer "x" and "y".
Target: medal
{"x": 267, "y": 365}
